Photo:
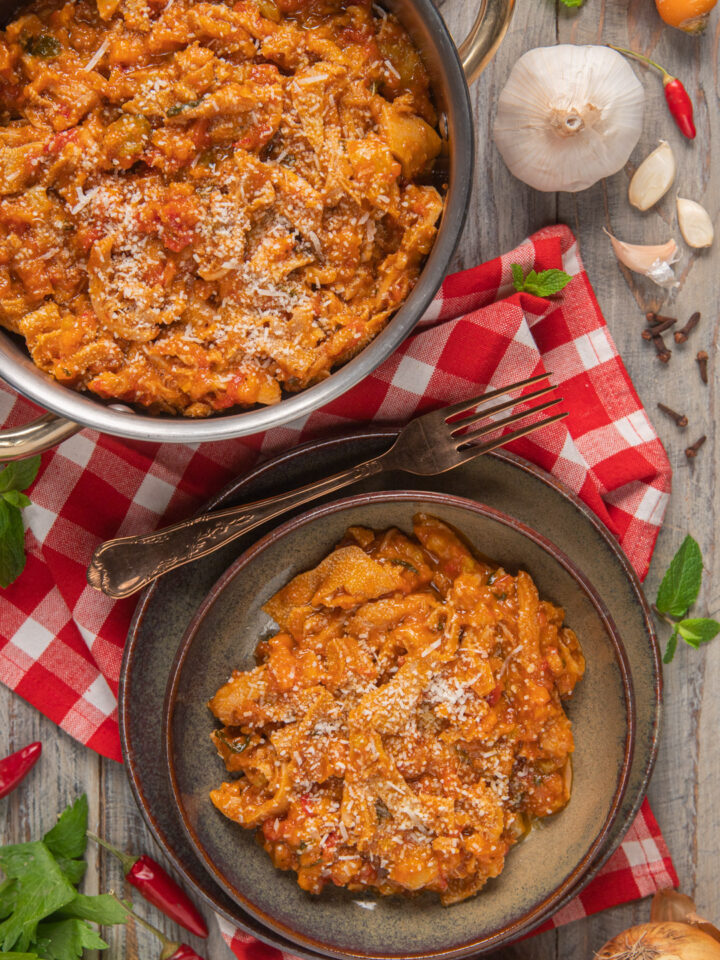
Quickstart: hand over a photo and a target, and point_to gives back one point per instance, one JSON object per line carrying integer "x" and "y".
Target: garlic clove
{"x": 651, "y": 260}
{"x": 695, "y": 223}
{"x": 568, "y": 116}
{"x": 653, "y": 178}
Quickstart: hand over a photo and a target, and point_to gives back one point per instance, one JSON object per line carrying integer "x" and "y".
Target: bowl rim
{"x": 541, "y": 910}
{"x": 119, "y": 419}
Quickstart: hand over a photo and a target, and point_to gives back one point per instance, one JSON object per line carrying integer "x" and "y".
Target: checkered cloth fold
{"x": 61, "y": 642}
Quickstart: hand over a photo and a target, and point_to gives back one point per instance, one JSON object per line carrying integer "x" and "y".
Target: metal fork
{"x": 429, "y": 444}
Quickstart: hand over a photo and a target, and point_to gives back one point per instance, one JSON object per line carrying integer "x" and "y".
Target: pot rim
{"x": 18, "y": 370}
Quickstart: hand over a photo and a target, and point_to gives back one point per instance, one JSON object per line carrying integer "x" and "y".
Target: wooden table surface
{"x": 686, "y": 784}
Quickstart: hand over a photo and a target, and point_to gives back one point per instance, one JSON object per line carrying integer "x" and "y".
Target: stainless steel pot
{"x": 451, "y": 69}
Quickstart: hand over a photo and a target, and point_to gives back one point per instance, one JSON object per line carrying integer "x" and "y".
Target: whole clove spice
{"x": 658, "y": 328}
{"x": 663, "y": 354}
{"x": 692, "y": 451}
{"x": 682, "y": 335}
{"x": 680, "y": 419}
{"x": 702, "y": 361}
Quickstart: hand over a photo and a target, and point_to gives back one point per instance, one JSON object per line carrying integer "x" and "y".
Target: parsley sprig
{"x": 43, "y": 915}
{"x": 14, "y": 478}
{"x": 677, "y": 593}
{"x": 543, "y": 284}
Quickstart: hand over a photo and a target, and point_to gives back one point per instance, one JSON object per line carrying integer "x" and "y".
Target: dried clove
{"x": 692, "y": 452}
{"x": 682, "y": 335}
{"x": 663, "y": 354}
{"x": 657, "y": 328}
{"x": 680, "y": 419}
{"x": 702, "y": 361}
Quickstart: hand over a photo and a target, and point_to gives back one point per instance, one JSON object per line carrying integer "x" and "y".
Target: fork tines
{"x": 467, "y": 438}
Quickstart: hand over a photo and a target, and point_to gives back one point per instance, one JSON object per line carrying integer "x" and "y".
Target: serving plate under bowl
{"x": 501, "y": 480}
{"x": 538, "y": 872}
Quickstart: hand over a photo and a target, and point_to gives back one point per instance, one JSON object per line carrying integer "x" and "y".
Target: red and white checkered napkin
{"x": 61, "y": 642}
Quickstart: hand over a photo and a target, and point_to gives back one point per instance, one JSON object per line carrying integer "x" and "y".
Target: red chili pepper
{"x": 159, "y": 889}
{"x": 677, "y": 97}
{"x": 680, "y": 104}
{"x": 171, "y": 949}
{"x": 183, "y": 952}
{"x": 17, "y": 766}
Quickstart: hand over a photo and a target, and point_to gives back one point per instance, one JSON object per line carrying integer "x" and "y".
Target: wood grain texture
{"x": 686, "y": 783}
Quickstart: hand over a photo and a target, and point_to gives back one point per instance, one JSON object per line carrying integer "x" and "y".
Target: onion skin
{"x": 661, "y": 941}
{"x": 691, "y": 16}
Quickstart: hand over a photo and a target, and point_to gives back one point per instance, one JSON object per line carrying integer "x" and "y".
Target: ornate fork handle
{"x": 122, "y": 567}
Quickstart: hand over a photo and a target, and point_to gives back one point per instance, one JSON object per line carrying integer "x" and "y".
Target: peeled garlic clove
{"x": 695, "y": 223}
{"x": 652, "y": 261}
{"x": 653, "y": 178}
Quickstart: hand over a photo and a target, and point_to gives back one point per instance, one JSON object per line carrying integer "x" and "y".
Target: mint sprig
{"x": 543, "y": 284}
{"x": 14, "y": 478}
{"x": 677, "y": 592}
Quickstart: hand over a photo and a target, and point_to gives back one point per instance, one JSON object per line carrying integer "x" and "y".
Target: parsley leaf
{"x": 66, "y": 939}
{"x": 698, "y": 630}
{"x": 72, "y": 870}
{"x": 681, "y": 584}
{"x": 8, "y": 895}
{"x": 68, "y": 838}
{"x": 102, "y": 908}
{"x": 19, "y": 474}
{"x": 543, "y": 284}
{"x": 41, "y": 890}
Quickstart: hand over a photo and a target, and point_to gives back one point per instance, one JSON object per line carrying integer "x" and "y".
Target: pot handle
{"x": 35, "y": 437}
{"x": 478, "y": 48}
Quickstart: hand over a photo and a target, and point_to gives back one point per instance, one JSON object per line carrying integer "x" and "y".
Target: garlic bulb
{"x": 568, "y": 116}
{"x": 695, "y": 223}
{"x": 653, "y": 261}
{"x": 653, "y": 178}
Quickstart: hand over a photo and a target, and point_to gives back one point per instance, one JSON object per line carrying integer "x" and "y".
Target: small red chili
{"x": 677, "y": 97}
{"x": 183, "y": 952}
{"x": 159, "y": 889}
{"x": 17, "y": 766}
{"x": 171, "y": 950}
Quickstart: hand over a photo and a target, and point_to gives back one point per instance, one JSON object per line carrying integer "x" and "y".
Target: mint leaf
{"x": 66, "y": 940}
{"x": 16, "y": 499}
{"x": 18, "y": 956}
{"x": 41, "y": 890}
{"x": 12, "y": 543}
{"x": 698, "y": 630}
{"x": 572, "y": 3}
{"x": 103, "y": 909}
{"x": 517, "y": 274}
{"x": 671, "y": 648}
{"x": 543, "y": 284}
{"x": 68, "y": 838}
{"x": 19, "y": 474}
{"x": 681, "y": 584}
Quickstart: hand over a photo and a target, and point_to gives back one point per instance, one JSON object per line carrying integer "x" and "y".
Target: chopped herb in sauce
{"x": 182, "y": 107}
{"x": 43, "y": 46}
{"x": 232, "y": 745}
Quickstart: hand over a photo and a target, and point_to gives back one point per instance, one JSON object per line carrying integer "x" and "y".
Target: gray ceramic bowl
{"x": 538, "y": 872}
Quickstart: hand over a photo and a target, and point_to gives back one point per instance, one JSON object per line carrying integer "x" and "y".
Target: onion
{"x": 661, "y": 941}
